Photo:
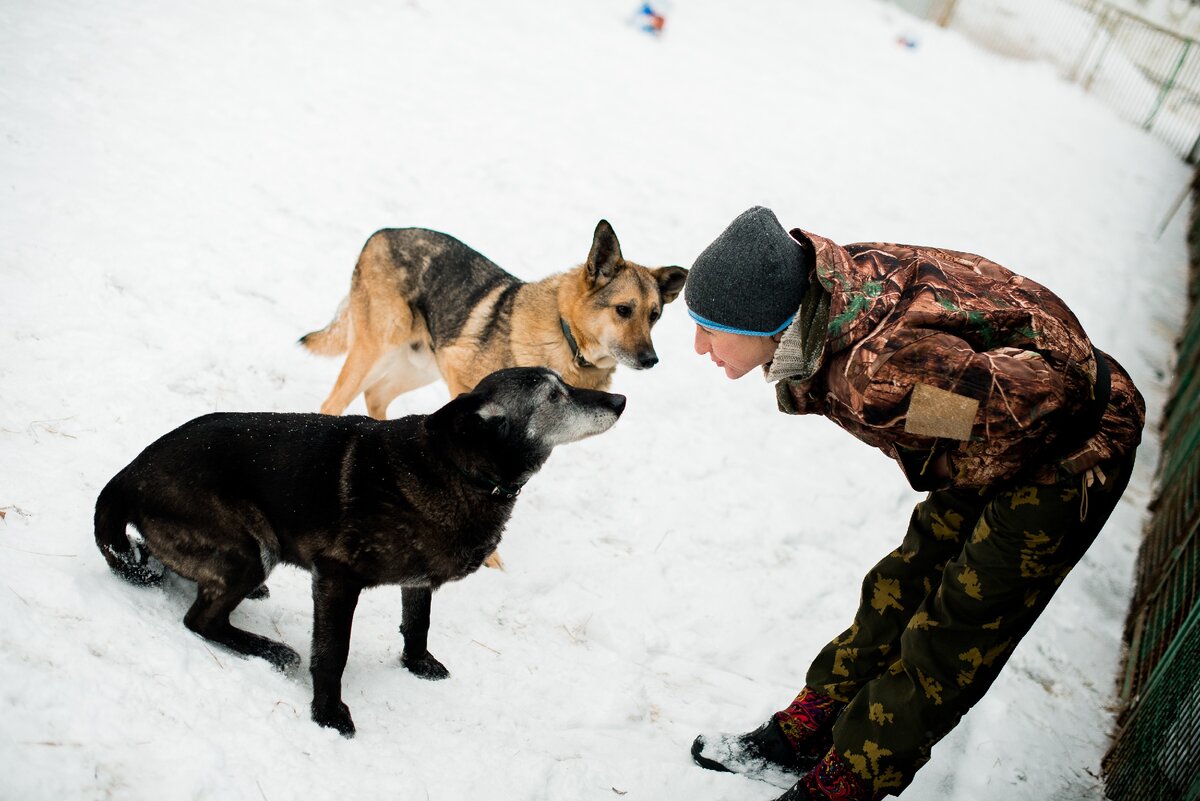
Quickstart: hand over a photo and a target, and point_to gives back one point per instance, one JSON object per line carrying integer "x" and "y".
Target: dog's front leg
{"x": 334, "y": 600}
{"x": 415, "y": 629}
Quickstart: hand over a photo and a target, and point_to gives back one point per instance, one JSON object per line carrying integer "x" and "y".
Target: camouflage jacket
{"x": 965, "y": 373}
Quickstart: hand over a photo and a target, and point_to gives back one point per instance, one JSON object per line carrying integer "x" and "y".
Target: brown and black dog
{"x": 423, "y": 305}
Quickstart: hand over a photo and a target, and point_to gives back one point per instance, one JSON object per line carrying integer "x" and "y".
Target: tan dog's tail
{"x": 333, "y": 338}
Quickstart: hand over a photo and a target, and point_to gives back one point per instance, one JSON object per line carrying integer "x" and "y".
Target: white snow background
{"x": 184, "y": 189}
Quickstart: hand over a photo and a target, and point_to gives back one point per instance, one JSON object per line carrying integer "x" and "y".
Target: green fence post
{"x": 1112, "y": 22}
{"x": 1170, "y": 84}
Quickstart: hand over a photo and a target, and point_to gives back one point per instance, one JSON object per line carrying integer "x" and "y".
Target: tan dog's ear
{"x": 670, "y": 282}
{"x": 604, "y": 261}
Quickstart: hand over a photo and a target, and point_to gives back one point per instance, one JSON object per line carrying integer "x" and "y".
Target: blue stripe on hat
{"x": 705, "y": 323}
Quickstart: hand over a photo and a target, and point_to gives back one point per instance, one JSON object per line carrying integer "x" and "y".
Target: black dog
{"x": 417, "y": 501}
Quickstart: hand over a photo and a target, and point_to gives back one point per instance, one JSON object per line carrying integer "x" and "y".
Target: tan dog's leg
{"x": 383, "y": 392}
{"x": 382, "y": 335}
{"x": 453, "y": 383}
{"x": 402, "y": 370}
{"x": 359, "y": 363}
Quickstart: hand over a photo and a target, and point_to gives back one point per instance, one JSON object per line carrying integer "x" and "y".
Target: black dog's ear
{"x": 469, "y": 413}
{"x": 491, "y": 416}
{"x": 605, "y": 260}
{"x": 670, "y": 281}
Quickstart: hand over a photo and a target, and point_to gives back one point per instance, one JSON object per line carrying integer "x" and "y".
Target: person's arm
{"x": 932, "y": 384}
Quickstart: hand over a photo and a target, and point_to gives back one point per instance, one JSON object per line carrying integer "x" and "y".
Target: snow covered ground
{"x": 183, "y": 191}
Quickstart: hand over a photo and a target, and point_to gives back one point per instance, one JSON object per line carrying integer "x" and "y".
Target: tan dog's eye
{"x": 654, "y": 316}
{"x": 624, "y": 311}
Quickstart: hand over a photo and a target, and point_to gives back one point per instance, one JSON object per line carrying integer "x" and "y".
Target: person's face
{"x": 737, "y": 354}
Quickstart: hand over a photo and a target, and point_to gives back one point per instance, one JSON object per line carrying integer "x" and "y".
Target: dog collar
{"x": 580, "y": 361}
{"x": 493, "y": 488}
{"x": 503, "y": 492}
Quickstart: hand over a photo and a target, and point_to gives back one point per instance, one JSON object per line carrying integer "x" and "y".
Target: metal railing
{"x": 1146, "y": 73}
{"x": 1155, "y": 755}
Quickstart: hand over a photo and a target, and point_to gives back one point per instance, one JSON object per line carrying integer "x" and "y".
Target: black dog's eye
{"x": 624, "y": 311}
{"x": 554, "y": 396}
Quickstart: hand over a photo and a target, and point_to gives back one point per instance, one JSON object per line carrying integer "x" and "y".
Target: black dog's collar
{"x": 575, "y": 351}
{"x": 493, "y": 488}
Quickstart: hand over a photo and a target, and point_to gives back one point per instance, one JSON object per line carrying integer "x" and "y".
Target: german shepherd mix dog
{"x": 424, "y": 305}
{"x": 417, "y": 501}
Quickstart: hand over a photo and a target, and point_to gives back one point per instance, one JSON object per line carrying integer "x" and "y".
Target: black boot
{"x": 764, "y": 753}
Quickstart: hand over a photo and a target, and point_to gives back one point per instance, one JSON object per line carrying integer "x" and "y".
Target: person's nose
{"x": 702, "y": 344}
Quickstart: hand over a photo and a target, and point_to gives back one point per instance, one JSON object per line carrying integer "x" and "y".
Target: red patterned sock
{"x": 808, "y": 720}
{"x": 833, "y": 779}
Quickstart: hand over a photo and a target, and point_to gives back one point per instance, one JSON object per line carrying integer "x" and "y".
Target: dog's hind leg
{"x": 383, "y": 332}
{"x": 415, "y": 629}
{"x": 209, "y": 617}
{"x": 358, "y": 365}
{"x": 334, "y": 600}
{"x": 220, "y": 588}
{"x": 402, "y": 370}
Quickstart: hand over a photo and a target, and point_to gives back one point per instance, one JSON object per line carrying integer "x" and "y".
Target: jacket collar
{"x": 863, "y": 286}
{"x": 802, "y": 346}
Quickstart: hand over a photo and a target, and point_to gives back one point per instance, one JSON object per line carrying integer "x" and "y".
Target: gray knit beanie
{"x": 751, "y": 279}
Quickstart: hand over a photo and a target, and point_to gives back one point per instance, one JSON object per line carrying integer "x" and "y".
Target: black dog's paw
{"x": 425, "y": 667}
{"x": 334, "y": 716}
{"x": 282, "y": 657}
{"x": 260, "y": 592}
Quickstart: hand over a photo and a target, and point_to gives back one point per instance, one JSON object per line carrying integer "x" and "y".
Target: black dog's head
{"x": 515, "y": 417}
{"x": 534, "y": 404}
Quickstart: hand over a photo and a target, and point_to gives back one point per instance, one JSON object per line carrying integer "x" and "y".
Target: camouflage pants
{"x": 941, "y": 614}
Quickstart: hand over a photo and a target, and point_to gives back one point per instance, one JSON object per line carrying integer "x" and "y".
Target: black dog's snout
{"x": 647, "y": 359}
{"x": 598, "y": 399}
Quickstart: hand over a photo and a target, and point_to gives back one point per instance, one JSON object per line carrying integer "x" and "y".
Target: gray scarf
{"x": 798, "y": 356}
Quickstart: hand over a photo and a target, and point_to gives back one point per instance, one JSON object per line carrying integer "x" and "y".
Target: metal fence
{"x": 1155, "y": 754}
{"x": 1148, "y": 74}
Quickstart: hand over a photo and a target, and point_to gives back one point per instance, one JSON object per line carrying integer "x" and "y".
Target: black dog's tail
{"x": 112, "y": 515}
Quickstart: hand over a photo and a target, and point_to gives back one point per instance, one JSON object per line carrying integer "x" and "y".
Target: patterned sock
{"x": 808, "y": 720}
{"x": 833, "y": 779}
